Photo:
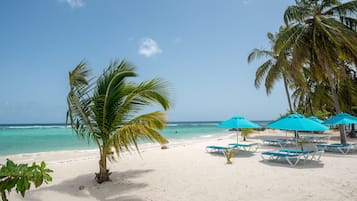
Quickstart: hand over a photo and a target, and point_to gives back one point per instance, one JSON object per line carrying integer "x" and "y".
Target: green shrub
{"x": 245, "y": 132}
{"x": 20, "y": 176}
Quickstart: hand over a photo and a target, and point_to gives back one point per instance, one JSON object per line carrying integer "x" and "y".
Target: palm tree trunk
{"x": 343, "y": 137}
{"x": 103, "y": 174}
{"x": 310, "y": 107}
{"x": 287, "y": 93}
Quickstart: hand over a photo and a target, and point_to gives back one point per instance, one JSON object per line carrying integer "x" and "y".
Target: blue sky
{"x": 199, "y": 46}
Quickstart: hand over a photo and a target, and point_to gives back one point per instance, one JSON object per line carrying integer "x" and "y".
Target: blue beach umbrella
{"x": 297, "y": 122}
{"x": 316, "y": 119}
{"x": 341, "y": 118}
{"x": 238, "y": 122}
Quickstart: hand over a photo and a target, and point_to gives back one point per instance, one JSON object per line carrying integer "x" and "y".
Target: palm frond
{"x": 257, "y": 54}
{"x": 342, "y": 9}
{"x": 145, "y": 127}
{"x": 78, "y": 77}
{"x": 261, "y": 73}
{"x": 272, "y": 76}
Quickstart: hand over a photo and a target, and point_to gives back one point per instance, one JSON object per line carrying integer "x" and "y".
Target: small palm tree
{"x": 229, "y": 154}
{"x": 108, "y": 111}
{"x": 245, "y": 132}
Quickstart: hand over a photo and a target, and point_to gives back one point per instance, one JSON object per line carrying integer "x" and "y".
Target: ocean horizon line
{"x": 64, "y": 124}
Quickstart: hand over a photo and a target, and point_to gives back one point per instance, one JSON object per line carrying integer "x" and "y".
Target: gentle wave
{"x": 30, "y": 127}
{"x": 172, "y": 125}
{"x": 192, "y": 124}
{"x": 206, "y": 136}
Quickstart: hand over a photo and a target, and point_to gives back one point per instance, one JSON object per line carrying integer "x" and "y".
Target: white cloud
{"x": 74, "y": 3}
{"x": 148, "y": 47}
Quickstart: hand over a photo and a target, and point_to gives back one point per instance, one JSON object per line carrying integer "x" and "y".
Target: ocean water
{"x": 30, "y": 138}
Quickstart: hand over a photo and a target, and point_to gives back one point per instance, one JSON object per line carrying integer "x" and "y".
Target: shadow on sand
{"x": 238, "y": 154}
{"x": 308, "y": 164}
{"x": 85, "y": 186}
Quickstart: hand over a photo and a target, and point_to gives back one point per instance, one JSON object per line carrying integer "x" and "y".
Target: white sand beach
{"x": 186, "y": 172}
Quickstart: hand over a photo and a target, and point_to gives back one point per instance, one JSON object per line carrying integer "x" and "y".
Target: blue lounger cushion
{"x": 283, "y": 155}
{"x": 280, "y": 154}
{"x": 312, "y": 155}
{"x": 213, "y": 148}
{"x": 294, "y": 151}
{"x": 216, "y": 147}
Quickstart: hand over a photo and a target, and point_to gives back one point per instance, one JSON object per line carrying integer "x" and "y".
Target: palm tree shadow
{"x": 86, "y": 187}
{"x": 238, "y": 154}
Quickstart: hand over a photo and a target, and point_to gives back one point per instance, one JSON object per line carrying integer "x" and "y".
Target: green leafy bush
{"x": 245, "y": 132}
{"x": 20, "y": 176}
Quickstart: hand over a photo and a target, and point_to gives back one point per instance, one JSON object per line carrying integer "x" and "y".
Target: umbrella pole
{"x": 237, "y": 135}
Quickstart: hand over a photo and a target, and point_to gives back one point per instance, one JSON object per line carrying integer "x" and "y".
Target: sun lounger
{"x": 220, "y": 149}
{"x": 278, "y": 141}
{"x": 311, "y": 155}
{"x": 314, "y": 139}
{"x": 245, "y": 147}
{"x": 342, "y": 148}
{"x": 289, "y": 157}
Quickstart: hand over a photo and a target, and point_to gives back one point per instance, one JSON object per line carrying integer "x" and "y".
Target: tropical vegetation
{"x": 245, "y": 132}
{"x": 20, "y": 177}
{"x": 109, "y": 111}
{"x": 316, "y": 50}
{"x": 229, "y": 153}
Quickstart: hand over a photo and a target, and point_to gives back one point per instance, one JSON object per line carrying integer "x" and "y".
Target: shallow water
{"x": 15, "y": 139}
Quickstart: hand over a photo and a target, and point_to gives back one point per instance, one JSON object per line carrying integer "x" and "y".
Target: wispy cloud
{"x": 148, "y": 47}
{"x": 246, "y": 2}
{"x": 177, "y": 40}
{"x": 74, "y": 3}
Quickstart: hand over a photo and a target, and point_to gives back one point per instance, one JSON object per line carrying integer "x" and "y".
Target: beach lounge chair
{"x": 314, "y": 139}
{"x": 220, "y": 149}
{"x": 246, "y": 147}
{"x": 277, "y": 141}
{"x": 308, "y": 155}
{"x": 289, "y": 157}
{"x": 342, "y": 148}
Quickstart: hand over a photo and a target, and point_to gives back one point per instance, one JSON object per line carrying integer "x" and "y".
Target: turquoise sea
{"x": 29, "y": 138}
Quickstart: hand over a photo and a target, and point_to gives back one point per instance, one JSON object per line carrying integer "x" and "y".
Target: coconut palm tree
{"x": 316, "y": 35}
{"x": 271, "y": 70}
{"x": 108, "y": 111}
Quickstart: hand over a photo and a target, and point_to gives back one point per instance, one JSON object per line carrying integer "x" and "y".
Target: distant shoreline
{"x": 64, "y": 124}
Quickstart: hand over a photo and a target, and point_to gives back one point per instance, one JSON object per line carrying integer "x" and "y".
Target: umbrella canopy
{"x": 297, "y": 122}
{"x": 238, "y": 122}
{"x": 316, "y": 119}
{"x": 341, "y": 118}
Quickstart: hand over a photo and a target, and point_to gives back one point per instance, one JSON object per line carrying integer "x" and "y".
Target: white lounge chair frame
{"x": 344, "y": 149}
{"x": 246, "y": 147}
{"x": 217, "y": 149}
{"x": 281, "y": 142}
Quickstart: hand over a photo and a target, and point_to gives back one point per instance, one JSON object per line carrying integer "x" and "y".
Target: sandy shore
{"x": 186, "y": 172}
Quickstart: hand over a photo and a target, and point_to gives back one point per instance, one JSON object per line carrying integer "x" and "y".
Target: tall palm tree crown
{"x": 320, "y": 34}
